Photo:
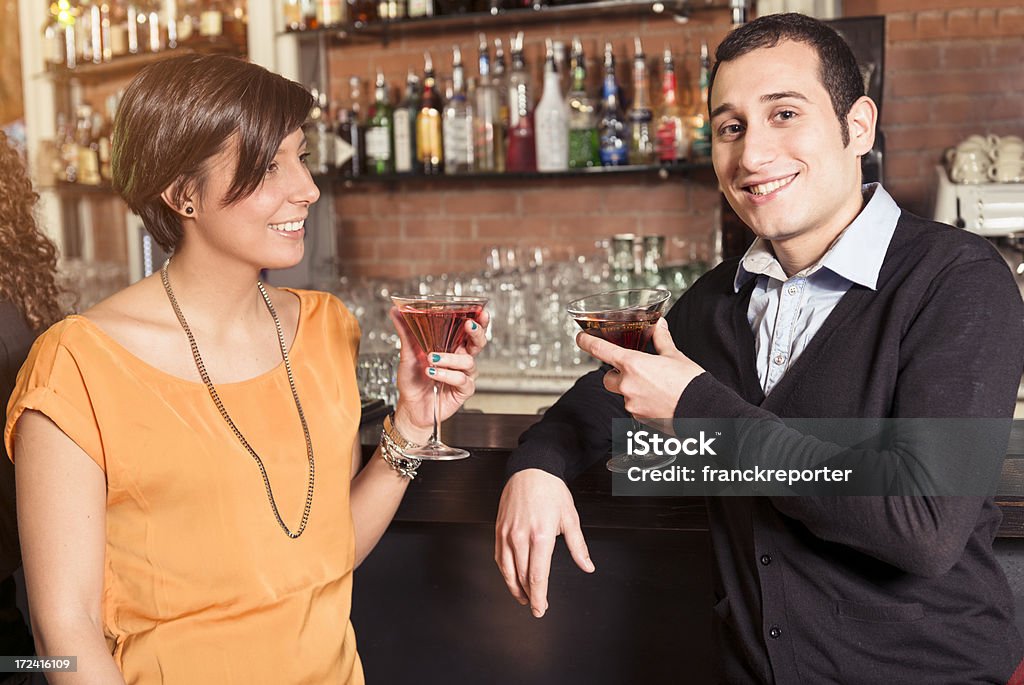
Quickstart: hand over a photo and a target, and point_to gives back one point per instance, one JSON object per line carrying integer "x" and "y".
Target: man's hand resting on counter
{"x": 536, "y": 507}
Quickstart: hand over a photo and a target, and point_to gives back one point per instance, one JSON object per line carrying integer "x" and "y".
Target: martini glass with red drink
{"x": 627, "y": 319}
{"x": 438, "y": 323}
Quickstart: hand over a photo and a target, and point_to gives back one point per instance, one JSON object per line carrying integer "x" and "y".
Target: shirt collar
{"x": 856, "y": 255}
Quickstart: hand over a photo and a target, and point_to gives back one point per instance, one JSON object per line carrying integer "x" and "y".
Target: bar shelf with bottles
{"x": 494, "y": 127}
{"x": 367, "y": 19}
{"x": 89, "y": 40}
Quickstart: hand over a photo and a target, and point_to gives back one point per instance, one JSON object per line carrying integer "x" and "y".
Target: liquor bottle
{"x": 53, "y": 40}
{"x": 419, "y": 9}
{"x": 319, "y": 139}
{"x": 584, "y": 141}
{"x": 429, "y": 140}
{"x": 89, "y": 48}
{"x": 380, "y": 158}
{"x": 701, "y": 126}
{"x": 188, "y": 22}
{"x": 350, "y": 150}
{"x": 330, "y": 13}
{"x": 211, "y": 22}
{"x": 458, "y": 122}
{"x": 489, "y": 144}
{"x": 236, "y": 22}
{"x": 673, "y": 144}
{"x": 641, "y": 116}
{"x": 153, "y": 37}
{"x": 106, "y": 39}
{"x": 612, "y": 127}
{"x": 88, "y": 148}
{"x": 551, "y": 119}
{"x": 362, "y": 12}
{"x": 522, "y": 145}
{"x": 500, "y": 82}
{"x": 67, "y": 151}
{"x": 406, "y": 161}
{"x": 293, "y": 18}
{"x": 391, "y": 10}
{"x": 104, "y": 138}
{"x": 309, "y": 14}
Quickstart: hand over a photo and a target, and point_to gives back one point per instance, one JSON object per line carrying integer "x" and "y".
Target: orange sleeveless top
{"x": 201, "y": 585}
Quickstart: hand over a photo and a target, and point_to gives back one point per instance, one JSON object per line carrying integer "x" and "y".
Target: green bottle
{"x": 584, "y": 142}
{"x": 380, "y": 146}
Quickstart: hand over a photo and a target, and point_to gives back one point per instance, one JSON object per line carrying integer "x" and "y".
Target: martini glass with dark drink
{"x": 438, "y": 322}
{"x": 627, "y": 319}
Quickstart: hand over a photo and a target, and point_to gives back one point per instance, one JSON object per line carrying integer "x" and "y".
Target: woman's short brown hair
{"x": 178, "y": 113}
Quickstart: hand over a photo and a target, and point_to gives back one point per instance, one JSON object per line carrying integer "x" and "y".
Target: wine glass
{"x": 627, "y": 319}
{"x": 438, "y": 322}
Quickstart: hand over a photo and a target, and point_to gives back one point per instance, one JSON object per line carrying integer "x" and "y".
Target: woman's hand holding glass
{"x": 456, "y": 373}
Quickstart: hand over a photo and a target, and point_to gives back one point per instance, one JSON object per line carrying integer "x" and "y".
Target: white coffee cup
{"x": 969, "y": 171}
{"x": 1008, "y": 150}
{"x": 1007, "y": 171}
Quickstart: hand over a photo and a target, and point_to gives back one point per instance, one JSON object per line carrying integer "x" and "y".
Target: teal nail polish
{"x": 431, "y": 371}
{"x": 435, "y": 357}
{"x": 473, "y": 325}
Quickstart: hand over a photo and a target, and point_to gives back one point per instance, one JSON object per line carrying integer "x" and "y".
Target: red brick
{"x": 931, "y": 24}
{"x": 573, "y": 198}
{"x": 1007, "y": 53}
{"x": 896, "y": 111}
{"x": 900, "y": 27}
{"x": 912, "y": 56}
{"x": 480, "y": 202}
{"x": 909, "y": 84}
{"x": 517, "y": 229}
{"x": 902, "y": 165}
{"x": 412, "y": 249}
{"x": 1010, "y": 22}
{"x": 355, "y": 203}
{"x": 962, "y": 23}
{"x": 1010, "y": 107}
{"x": 653, "y": 196}
{"x": 469, "y": 253}
{"x": 986, "y": 23}
{"x": 358, "y": 249}
{"x": 410, "y": 202}
{"x": 438, "y": 229}
{"x": 964, "y": 55}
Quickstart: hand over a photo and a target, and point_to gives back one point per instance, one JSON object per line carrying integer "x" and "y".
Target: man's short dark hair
{"x": 839, "y": 72}
{"x": 180, "y": 112}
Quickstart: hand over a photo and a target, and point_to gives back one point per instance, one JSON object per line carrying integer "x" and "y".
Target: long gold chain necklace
{"x": 227, "y": 418}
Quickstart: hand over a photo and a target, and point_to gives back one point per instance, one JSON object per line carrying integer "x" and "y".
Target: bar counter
{"x": 431, "y": 607}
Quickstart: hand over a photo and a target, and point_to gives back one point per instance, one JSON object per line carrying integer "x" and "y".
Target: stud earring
{"x": 190, "y": 210}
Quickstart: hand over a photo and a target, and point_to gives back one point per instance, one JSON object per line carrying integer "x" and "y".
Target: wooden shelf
{"x": 129, "y": 64}
{"x": 502, "y": 19}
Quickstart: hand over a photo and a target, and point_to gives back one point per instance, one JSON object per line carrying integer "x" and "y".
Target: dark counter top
{"x": 468, "y": 491}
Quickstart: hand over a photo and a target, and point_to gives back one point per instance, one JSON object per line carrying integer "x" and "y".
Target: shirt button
{"x": 780, "y": 359}
{"x": 766, "y": 559}
{"x": 793, "y": 290}
{"x": 775, "y": 632}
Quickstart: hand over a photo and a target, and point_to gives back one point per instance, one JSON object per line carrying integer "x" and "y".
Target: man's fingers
{"x": 613, "y": 381}
{"x": 577, "y": 544}
{"x": 662, "y": 339}
{"x": 505, "y": 560}
{"x": 600, "y": 349}
{"x": 542, "y": 546}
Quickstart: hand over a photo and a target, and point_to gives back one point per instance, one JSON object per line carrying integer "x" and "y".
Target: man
{"x": 844, "y": 307}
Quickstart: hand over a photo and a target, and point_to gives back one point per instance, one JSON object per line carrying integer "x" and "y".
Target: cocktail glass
{"x": 438, "y": 322}
{"x": 627, "y": 319}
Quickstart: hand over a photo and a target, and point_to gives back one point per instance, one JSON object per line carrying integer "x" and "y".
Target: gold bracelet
{"x": 392, "y": 450}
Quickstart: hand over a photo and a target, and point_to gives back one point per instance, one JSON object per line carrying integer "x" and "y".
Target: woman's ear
{"x": 862, "y": 120}
{"x": 185, "y": 207}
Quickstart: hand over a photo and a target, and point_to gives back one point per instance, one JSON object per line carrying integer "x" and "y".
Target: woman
{"x": 29, "y": 302}
{"x": 191, "y": 502}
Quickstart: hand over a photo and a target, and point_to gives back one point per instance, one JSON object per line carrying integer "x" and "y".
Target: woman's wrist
{"x": 418, "y": 435}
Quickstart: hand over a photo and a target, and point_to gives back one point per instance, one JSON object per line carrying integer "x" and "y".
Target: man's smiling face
{"x": 777, "y": 145}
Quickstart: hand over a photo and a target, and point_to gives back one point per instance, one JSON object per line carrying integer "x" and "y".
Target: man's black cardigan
{"x": 847, "y": 589}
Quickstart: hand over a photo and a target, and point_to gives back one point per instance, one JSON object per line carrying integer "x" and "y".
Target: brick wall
{"x": 432, "y": 226}
{"x": 949, "y": 72}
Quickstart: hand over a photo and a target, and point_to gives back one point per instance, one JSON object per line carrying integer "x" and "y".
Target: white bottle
{"x": 551, "y": 120}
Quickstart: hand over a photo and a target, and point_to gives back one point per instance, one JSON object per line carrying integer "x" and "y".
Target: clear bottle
{"x": 673, "y": 144}
{"x": 458, "y": 122}
{"x": 500, "y": 82}
{"x": 319, "y": 140}
{"x": 613, "y": 131}
{"x": 584, "y": 141}
{"x": 488, "y": 141}
{"x": 419, "y": 9}
{"x": 211, "y": 22}
{"x": 330, "y": 13}
{"x": 641, "y": 115}
{"x": 53, "y": 40}
{"x": 429, "y": 140}
{"x": 350, "y": 158}
{"x": 551, "y": 119}
{"x": 293, "y": 17}
{"x": 380, "y": 158}
{"x": 405, "y": 126}
{"x": 522, "y": 146}
{"x": 88, "y": 148}
{"x": 700, "y": 125}
{"x": 362, "y": 12}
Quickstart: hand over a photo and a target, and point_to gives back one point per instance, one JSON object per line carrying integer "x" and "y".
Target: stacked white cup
{"x": 1007, "y": 155}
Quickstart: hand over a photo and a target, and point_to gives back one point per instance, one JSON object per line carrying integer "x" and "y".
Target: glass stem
{"x": 435, "y": 436}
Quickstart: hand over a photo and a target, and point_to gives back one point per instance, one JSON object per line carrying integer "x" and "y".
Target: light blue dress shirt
{"x": 786, "y": 311}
